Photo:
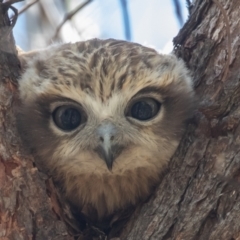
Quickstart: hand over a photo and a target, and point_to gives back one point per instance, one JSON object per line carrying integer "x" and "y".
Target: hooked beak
{"x": 107, "y": 155}
{"x": 108, "y": 149}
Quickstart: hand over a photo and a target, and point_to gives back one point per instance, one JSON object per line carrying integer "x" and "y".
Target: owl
{"x": 103, "y": 118}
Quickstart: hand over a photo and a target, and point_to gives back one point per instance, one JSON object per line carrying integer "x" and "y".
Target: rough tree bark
{"x": 25, "y": 209}
{"x": 198, "y": 197}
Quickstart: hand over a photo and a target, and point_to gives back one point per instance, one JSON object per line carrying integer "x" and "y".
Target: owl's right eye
{"x": 67, "y": 117}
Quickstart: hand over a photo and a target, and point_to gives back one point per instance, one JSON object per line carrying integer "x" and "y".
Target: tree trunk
{"x": 25, "y": 209}
{"x": 198, "y": 197}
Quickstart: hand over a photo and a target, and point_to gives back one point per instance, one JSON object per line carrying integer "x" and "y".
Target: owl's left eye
{"x": 67, "y": 117}
{"x": 144, "y": 109}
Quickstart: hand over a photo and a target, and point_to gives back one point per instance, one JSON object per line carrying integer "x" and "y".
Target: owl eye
{"x": 145, "y": 109}
{"x": 67, "y": 117}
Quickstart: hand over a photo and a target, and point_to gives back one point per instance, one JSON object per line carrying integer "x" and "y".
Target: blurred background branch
{"x": 178, "y": 10}
{"x": 49, "y": 21}
{"x": 22, "y": 10}
{"x": 69, "y": 16}
{"x": 126, "y": 20}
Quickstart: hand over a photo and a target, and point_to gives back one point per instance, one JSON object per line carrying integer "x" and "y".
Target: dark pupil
{"x": 142, "y": 111}
{"x": 70, "y": 118}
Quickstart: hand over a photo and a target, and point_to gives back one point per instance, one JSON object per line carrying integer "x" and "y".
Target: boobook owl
{"x": 103, "y": 118}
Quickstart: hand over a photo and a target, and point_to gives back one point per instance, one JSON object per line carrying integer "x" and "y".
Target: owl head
{"x": 103, "y": 117}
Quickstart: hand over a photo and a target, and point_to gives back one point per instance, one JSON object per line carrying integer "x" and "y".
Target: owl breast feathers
{"x": 103, "y": 118}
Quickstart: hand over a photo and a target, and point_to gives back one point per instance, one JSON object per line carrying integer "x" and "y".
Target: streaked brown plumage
{"x": 112, "y": 160}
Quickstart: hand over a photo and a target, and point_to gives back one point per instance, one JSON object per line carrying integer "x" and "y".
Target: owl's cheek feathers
{"x": 127, "y": 158}
{"x": 87, "y": 180}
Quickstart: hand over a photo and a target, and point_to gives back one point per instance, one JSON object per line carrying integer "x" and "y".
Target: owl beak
{"x": 107, "y": 149}
{"x": 107, "y": 155}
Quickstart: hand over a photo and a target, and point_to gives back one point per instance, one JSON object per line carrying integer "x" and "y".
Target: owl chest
{"x": 102, "y": 196}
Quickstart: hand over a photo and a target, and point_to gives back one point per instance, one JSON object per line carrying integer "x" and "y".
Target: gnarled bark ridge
{"x": 199, "y": 196}
{"x": 25, "y": 209}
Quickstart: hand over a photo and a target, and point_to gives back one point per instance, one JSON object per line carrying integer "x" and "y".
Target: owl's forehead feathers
{"x": 100, "y": 68}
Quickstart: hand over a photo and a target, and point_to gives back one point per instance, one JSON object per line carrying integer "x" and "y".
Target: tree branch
{"x": 69, "y": 16}
{"x": 126, "y": 19}
{"x": 27, "y": 6}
